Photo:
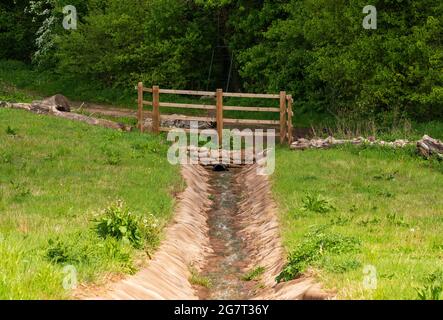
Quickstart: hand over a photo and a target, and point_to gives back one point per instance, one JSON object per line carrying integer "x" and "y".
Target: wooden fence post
{"x": 156, "y": 109}
{"x": 282, "y": 116}
{"x": 219, "y": 117}
{"x": 290, "y": 114}
{"x": 140, "y": 106}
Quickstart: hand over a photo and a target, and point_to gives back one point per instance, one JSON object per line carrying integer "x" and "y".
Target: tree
{"x": 17, "y": 30}
{"x": 158, "y": 41}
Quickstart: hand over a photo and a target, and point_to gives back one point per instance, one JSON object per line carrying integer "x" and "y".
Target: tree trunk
{"x": 45, "y": 107}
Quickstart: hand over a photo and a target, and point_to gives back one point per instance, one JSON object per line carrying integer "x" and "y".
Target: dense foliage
{"x": 317, "y": 50}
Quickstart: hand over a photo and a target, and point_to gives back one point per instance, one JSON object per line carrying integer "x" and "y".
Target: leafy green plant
{"x": 57, "y": 251}
{"x": 432, "y": 289}
{"x": 117, "y": 222}
{"x": 20, "y": 189}
{"x": 316, "y": 244}
{"x": 6, "y": 158}
{"x": 10, "y": 131}
{"x": 253, "y": 274}
{"x": 315, "y": 202}
{"x": 113, "y": 157}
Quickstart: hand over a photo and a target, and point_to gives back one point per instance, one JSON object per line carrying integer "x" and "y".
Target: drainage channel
{"x": 225, "y": 267}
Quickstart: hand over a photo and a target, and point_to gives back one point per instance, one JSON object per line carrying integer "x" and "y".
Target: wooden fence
{"x": 285, "y": 110}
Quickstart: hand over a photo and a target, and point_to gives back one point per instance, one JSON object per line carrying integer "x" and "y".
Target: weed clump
{"x": 315, "y": 202}
{"x": 432, "y": 288}
{"x": 57, "y": 251}
{"x": 82, "y": 250}
{"x": 11, "y": 131}
{"x": 316, "y": 245}
{"x": 199, "y": 280}
{"x": 118, "y": 222}
{"x": 254, "y": 274}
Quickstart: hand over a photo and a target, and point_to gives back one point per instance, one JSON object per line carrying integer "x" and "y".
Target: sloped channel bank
{"x": 225, "y": 226}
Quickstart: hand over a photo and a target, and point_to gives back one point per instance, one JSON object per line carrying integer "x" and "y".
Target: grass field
{"x": 342, "y": 209}
{"x": 347, "y": 208}
{"x": 56, "y": 178}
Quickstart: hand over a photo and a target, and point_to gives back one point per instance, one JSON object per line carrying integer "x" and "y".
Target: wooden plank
{"x": 165, "y": 129}
{"x": 219, "y": 115}
{"x": 282, "y": 116}
{"x": 187, "y": 106}
{"x": 243, "y": 134}
{"x": 290, "y": 114}
{"x": 140, "y": 106}
{"x": 258, "y": 109}
{"x": 251, "y": 121}
{"x": 252, "y": 95}
{"x": 147, "y": 90}
{"x": 155, "y": 109}
{"x": 187, "y": 118}
{"x": 147, "y": 103}
{"x": 188, "y": 92}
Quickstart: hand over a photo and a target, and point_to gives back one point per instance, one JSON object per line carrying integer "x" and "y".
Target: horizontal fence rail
{"x": 285, "y": 110}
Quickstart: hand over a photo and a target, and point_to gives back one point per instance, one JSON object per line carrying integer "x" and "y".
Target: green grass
{"x": 56, "y": 179}
{"x": 254, "y": 274}
{"x": 387, "y": 212}
{"x": 199, "y": 280}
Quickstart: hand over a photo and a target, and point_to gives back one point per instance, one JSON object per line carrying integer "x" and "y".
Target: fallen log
{"x": 58, "y": 106}
{"x": 428, "y": 147}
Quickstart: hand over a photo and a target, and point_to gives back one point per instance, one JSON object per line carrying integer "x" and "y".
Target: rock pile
{"x": 181, "y": 124}
{"x": 232, "y": 158}
{"x": 318, "y": 143}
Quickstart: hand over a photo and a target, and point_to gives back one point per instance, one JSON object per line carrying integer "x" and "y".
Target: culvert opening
{"x": 220, "y": 167}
